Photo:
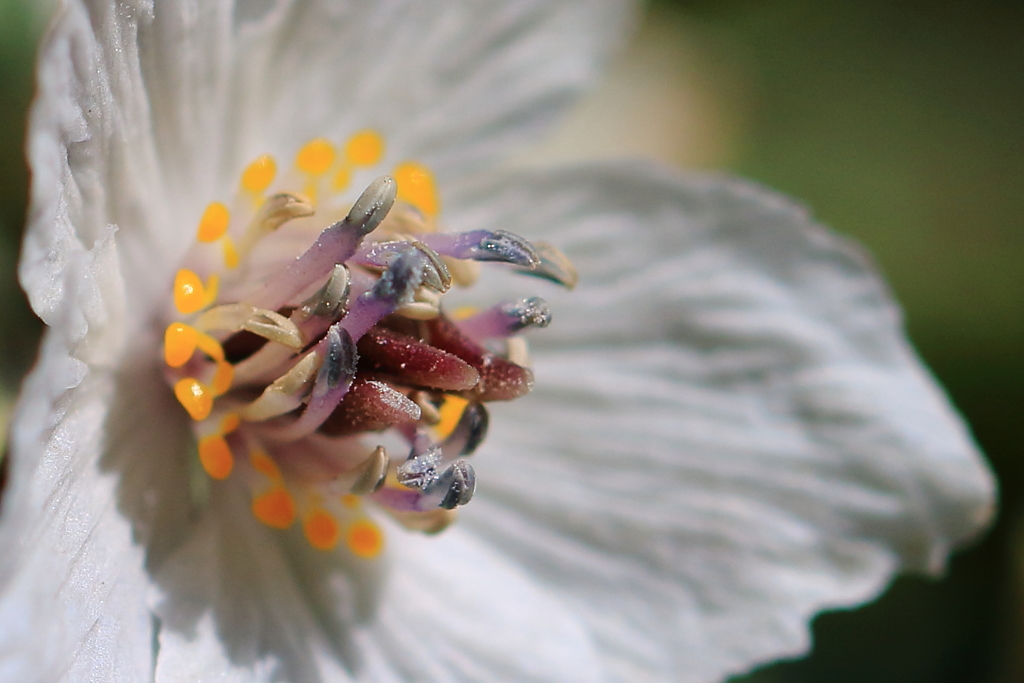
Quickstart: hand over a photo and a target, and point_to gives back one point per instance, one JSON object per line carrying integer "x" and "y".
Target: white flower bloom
{"x": 728, "y": 431}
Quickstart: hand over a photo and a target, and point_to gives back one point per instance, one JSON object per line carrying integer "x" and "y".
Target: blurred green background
{"x": 900, "y": 123}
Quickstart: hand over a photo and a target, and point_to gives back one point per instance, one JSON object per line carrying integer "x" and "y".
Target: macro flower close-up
{"x": 332, "y": 391}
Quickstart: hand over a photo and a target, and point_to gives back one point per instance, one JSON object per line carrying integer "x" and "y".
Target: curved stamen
{"x": 272, "y": 214}
{"x": 332, "y": 382}
{"x": 373, "y": 474}
{"x": 483, "y": 245}
{"x": 383, "y": 254}
{"x": 268, "y": 324}
{"x": 335, "y": 245}
{"x": 553, "y": 266}
{"x": 453, "y": 487}
{"x": 506, "y": 319}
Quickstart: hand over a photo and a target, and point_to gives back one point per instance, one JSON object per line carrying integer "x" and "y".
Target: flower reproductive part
{"x": 306, "y": 331}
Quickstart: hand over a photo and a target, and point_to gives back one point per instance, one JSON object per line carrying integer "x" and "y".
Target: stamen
{"x": 554, "y": 266}
{"x": 450, "y": 413}
{"x": 468, "y": 433}
{"x": 420, "y": 471}
{"x": 332, "y": 382}
{"x": 272, "y": 214}
{"x": 453, "y": 487}
{"x": 286, "y": 369}
{"x": 321, "y": 530}
{"x": 484, "y": 245}
{"x": 461, "y": 483}
{"x": 364, "y": 539}
{"x": 258, "y": 175}
{"x": 268, "y": 324}
{"x": 383, "y": 254}
{"x": 374, "y": 474}
{"x": 215, "y": 456}
{"x": 214, "y": 223}
{"x": 335, "y": 245}
{"x": 286, "y": 393}
{"x": 365, "y": 148}
{"x": 315, "y": 157}
{"x": 506, "y": 319}
{"x": 190, "y": 295}
{"x": 330, "y": 300}
{"x": 416, "y": 186}
{"x": 275, "y": 508}
{"x": 194, "y": 397}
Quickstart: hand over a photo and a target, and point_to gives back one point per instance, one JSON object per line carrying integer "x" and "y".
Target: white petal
{"x": 729, "y": 431}
{"x": 453, "y": 83}
{"x": 72, "y": 583}
{"x": 455, "y": 610}
{"x": 148, "y": 111}
{"x": 241, "y": 602}
{"x": 231, "y": 606}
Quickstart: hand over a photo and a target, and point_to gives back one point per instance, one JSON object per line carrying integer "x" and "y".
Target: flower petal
{"x": 237, "y": 602}
{"x": 72, "y": 583}
{"x": 729, "y": 431}
{"x": 452, "y": 84}
{"x": 456, "y": 610}
{"x": 147, "y": 111}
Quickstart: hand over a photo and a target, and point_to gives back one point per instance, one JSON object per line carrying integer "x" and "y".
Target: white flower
{"x": 728, "y": 431}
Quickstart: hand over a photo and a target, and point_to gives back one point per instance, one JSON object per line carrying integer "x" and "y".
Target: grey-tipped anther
{"x": 435, "y": 272}
{"x": 508, "y": 248}
{"x": 399, "y": 282}
{"x": 331, "y": 299}
{"x": 461, "y": 481}
{"x": 524, "y": 313}
{"x": 339, "y": 362}
{"x": 420, "y": 471}
{"x": 375, "y": 471}
{"x": 553, "y": 265}
{"x": 373, "y": 204}
{"x": 281, "y": 208}
{"x": 470, "y": 431}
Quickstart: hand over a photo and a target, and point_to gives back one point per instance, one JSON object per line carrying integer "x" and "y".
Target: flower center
{"x": 309, "y": 344}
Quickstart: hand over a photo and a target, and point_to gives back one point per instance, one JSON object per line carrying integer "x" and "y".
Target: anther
{"x": 214, "y": 223}
{"x": 507, "y": 319}
{"x": 332, "y": 383}
{"x": 553, "y": 265}
{"x": 460, "y": 480}
{"x": 383, "y": 254}
{"x": 331, "y": 299}
{"x": 429, "y": 414}
{"x": 272, "y": 214}
{"x": 365, "y": 148}
{"x": 339, "y": 362}
{"x": 469, "y": 433}
{"x": 375, "y": 471}
{"x": 373, "y": 204}
{"x": 335, "y": 245}
{"x": 416, "y": 186}
{"x": 315, "y": 157}
{"x": 258, "y": 175}
{"x": 286, "y": 393}
{"x": 420, "y": 471}
{"x": 484, "y": 245}
{"x": 265, "y": 323}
